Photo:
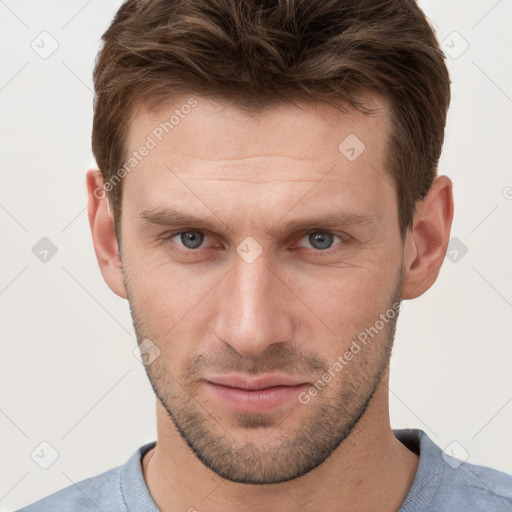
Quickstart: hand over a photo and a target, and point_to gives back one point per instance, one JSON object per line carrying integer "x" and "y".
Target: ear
{"x": 103, "y": 234}
{"x": 426, "y": 243}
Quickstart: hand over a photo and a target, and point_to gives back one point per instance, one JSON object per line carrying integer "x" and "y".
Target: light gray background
{"x": 68, "y": 375}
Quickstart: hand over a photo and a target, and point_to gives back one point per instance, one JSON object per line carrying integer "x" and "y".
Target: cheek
{"x": 174, "y": 306}
{"x": 341, "y": 304}
{"x": 338, "y": 289}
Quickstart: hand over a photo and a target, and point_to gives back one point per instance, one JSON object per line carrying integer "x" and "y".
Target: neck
{"x": 370, "y": 470}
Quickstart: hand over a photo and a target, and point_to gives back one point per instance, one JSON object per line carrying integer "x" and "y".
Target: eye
{"x": 192, "y": 240}
{"x": 187, "y": 239}
{"x": 322, "y": 240}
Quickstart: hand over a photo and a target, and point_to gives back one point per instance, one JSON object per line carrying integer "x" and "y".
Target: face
{"x": 257, "y": 252}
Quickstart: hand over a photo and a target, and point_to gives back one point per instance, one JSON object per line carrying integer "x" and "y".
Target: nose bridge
{"x": 251, "y": 314}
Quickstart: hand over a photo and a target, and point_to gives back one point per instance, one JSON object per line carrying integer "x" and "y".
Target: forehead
{"x": 197, "y": 121}
{"x": 222, "y": 150}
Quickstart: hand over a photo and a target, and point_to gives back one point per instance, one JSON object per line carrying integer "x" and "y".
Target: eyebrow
{"x": 172, "y": 217}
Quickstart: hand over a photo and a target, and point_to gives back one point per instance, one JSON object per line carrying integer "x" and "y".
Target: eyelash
{"x": 343, "y": 237}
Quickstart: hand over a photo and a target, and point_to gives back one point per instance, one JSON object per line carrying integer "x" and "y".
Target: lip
{"x": 258, "y": 394}
{"x": 255, "y": 383}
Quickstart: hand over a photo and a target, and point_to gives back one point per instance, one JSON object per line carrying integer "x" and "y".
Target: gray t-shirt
{"x": 441, "y": 484}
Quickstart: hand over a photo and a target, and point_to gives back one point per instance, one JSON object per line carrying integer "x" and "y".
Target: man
{"x": 267, "y": 194}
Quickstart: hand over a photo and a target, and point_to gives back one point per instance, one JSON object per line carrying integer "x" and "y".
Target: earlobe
{"x": 104, "y": 238}
{"x": 426, "y": 243}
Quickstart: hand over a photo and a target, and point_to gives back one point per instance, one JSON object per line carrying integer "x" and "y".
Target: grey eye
{"x": 191, "y": 239}
{"x": 321, "y": 240}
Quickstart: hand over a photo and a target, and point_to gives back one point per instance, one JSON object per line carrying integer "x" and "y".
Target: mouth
{"x": 259, "y": 394}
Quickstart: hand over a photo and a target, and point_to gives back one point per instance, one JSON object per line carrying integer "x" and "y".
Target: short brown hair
{"x": 255, "y": 53}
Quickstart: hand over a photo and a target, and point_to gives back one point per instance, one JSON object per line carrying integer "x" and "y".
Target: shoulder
{"x": 109, "y": 491}
{"x": 100, "y": 492}
{"x": 446, "y": 483}
{"x": 476, "y": 488}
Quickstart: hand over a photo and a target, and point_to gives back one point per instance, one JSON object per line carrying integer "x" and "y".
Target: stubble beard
{"x": 280, "y": 454}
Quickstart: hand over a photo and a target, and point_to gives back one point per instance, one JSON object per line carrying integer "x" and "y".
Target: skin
{"x": 293, "y": 310}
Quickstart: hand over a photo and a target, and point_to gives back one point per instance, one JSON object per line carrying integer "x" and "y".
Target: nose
{"x": 254, "y": 310}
